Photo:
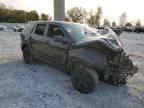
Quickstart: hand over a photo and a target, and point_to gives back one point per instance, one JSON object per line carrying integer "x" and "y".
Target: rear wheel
{"x": 84, "y": 79}
{"x": 14, "y": 30}
{"x": 27, "y": 55}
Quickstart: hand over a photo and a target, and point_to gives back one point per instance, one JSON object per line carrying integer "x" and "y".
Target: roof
{"x": 60, "y": 22}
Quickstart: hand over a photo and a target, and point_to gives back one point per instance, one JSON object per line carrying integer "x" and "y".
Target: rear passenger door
{"x": 38, "y": 38}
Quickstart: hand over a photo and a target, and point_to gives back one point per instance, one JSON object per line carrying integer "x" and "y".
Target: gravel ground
{"x": 40, "y": 86}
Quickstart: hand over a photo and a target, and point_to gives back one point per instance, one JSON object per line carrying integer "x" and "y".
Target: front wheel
{"x": 27, "y": 56}
{"x": 84, "y": 79}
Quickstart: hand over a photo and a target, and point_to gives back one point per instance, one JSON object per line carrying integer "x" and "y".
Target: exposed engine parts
{"x": 119, "y": 68}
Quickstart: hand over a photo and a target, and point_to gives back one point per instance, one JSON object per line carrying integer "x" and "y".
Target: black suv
{"x": 79, "y": 51}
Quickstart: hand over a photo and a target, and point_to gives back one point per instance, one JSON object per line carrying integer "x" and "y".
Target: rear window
{"x": 29, "y": 27}
{"x": 40, "y": 29}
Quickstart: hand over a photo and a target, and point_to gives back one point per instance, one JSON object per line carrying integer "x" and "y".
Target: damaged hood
{"x": 109, "y": 40}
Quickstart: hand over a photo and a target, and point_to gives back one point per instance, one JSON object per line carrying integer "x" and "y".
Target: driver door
{"x": 57, "y": 50}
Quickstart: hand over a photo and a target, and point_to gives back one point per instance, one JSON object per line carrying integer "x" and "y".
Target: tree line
{"x": 75, "y": 14}
{"x": 20, "y": 16}
{"x": 95, "y": 17}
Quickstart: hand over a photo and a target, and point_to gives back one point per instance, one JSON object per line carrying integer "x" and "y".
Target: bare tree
{"x": 67, "y": 19}
{"x": 122, "y": 19}
{"x": 3, "y": 6}
{"x": 138, "y": 23}
{"x": 106, "y": 22}
{"x": 98, "y": 16}
{"x": 77, "y": 14}
{"x": 91, "y": 19}
{"x": 113, "y": 23}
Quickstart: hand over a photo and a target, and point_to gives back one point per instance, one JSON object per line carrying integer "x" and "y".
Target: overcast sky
{"x": 111, "y": 8}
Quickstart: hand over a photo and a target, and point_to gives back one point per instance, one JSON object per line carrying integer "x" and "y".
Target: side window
{"x": 40, "y": 29}
{"x": 54, "y": 30}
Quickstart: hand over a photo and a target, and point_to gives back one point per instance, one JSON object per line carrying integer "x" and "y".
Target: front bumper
{"x": 119, "y": 67}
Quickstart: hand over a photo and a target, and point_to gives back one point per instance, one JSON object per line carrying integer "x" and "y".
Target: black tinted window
{"x": 40, "y": 29}
{"x": 54, "y": 30}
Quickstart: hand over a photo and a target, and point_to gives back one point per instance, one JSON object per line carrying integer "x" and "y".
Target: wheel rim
{"x": 82, "y": 81}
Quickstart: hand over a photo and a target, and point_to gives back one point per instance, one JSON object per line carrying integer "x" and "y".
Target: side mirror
{"x": 60, "y": 39}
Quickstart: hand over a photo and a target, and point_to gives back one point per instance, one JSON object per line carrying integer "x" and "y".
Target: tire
{"x": 27, "y": 55}
{"x": 14, "y": 30}
{"x": 20, "y": 30}
{"x": 84, "y": 79}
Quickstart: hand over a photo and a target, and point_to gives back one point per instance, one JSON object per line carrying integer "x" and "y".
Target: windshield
{"x": 79, "y": 31}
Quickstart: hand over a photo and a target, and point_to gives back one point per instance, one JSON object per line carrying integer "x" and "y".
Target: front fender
{"x": 94, "y": 58}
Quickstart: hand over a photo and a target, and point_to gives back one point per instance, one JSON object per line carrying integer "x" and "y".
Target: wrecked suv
{"x": 79, "y": 51}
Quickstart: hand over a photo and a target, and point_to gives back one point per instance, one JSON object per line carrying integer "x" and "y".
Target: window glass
{"x": 29, "y": 27}
{"x": 54, "y": 30}
{"x": 40, "y": 29}
{"x": 79, "y": 31}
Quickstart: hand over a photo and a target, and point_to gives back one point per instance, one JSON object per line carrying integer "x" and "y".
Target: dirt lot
{"x": 40, "y": 86}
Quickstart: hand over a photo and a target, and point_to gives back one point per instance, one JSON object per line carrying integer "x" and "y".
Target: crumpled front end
{"x": 119, "y": 67}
